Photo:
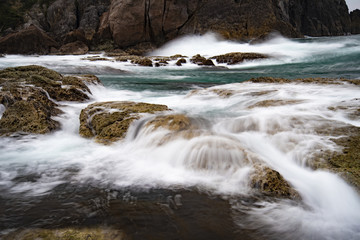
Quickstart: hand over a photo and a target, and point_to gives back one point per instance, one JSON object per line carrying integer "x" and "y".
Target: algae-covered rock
{"x": 238, "y": 57}
{"x": 345, "y": 162}
{"x": 29, "y": 95}
{"x": 109, "y": 121}
{"x": 270, "y": 182}
{"x": 67, "y": 233}
{"x": 177, "y": 122}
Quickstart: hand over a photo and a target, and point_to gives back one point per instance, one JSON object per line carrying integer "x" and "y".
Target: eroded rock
{"x": 29, "y": 95}
{"x": 270, "y": 182}
{"x": 109, "y": 121}
{"x": 238, "y": 57}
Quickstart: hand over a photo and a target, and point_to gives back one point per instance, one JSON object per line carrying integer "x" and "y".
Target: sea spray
{"x": 240, "y": 126}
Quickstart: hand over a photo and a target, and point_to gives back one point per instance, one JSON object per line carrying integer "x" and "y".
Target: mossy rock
{"x": 110, "y": 121}
{"x": 178, "y": 122}
{"x": 238, "y": 57}
{"x": 28, "y": 95}
{"x": 143, "y": 61}
{"x": 270, "y": 183}
{"x": 99, "y": 233}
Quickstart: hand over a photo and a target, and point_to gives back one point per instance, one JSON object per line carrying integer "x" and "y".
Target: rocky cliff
{"x": 355, "y": 21}
{"x": 109, "y": 24}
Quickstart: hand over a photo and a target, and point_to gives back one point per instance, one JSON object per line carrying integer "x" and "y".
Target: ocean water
{"x": 236, "y": 135}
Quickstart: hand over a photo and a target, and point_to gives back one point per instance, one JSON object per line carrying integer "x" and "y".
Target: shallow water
{"x": 236, "y": 133}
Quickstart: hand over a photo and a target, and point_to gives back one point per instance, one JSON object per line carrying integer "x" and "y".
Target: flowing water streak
{"x": 238, "y": 133}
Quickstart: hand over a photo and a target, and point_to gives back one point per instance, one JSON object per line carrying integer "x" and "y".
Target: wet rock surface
{"x": 110, "y": 121}
{"x": 83, "y": 211}
{"x": 270, "y": 183}
{"x": 29, "y": 95}
{"x": 237, "y": 57}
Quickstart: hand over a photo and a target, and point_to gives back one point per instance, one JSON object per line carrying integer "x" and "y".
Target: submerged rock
{"x": 30, "y": 94}
{"x": 274, "y": 103}
{"x": 109, "y": 121}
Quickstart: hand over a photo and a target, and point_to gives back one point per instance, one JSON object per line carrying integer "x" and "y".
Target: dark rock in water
{"x": 31, "y": 40}
{"x": 201, "y": 61}
{"x": 237, "y": 57}
{"x": 87, "y": 212}
{"x": 75, "y": 48}
{"x": 180, "y": 62}
{"x": 143, "y": 61}
{"x": 355, "y": 21}
{"x": 109, "y": 121}
{"x": 28, "y": 95}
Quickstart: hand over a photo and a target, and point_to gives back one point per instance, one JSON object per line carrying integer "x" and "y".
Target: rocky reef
{"x": 141, "y": 25}
{"x": 30, "y": 96}
{"x": 110, "y": 121}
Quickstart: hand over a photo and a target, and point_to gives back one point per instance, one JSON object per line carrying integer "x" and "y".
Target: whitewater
{"x": 236, "y": 133}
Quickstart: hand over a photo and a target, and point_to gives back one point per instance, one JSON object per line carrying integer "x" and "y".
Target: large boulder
{"x": 27, "y": 98}
{"x": 31, "y": 40}
{"x": 110, "y": 121}
{"x": 135, "y": 21}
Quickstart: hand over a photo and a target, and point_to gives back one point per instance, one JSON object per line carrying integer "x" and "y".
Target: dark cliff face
{"x": 127, "y": 23}
{"x": 355, "y": 21}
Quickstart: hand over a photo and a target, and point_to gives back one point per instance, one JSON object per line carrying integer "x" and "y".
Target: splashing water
{"x": 236, "y": 133}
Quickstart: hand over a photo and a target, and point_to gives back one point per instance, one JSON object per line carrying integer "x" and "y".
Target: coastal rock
{"x": 237, "y": 57}
{"x": 68, "y": 233}
{"x": 61, "y": 17}
{"x": 29, "y": 95}
{"x": 75, "y": 48}
{"x": 355, "y": 21}
{"x": 201, "y": 61}
{"x": 171, "y": 122}
{"x": 31, "y": 40}
{"x": 148, "y": 21}
{"x": 270, "y": 183}
{"x": 109, "y": 121}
